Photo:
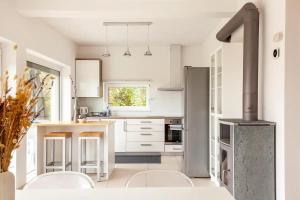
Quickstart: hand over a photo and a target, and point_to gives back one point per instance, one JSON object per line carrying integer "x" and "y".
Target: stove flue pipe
{"x": 249, "y": 17}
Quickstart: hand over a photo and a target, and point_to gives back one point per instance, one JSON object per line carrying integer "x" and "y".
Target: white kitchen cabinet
{"x": 120, "y": 135}
{"x": 139, "y": 135}
{"x": 146, "y": 128}
{"x": 145, "y": 135}
{"x": 88, "y": 77}
{"x": 146, "y": 121}
{"x": 145, "y": 146}
{"x": 173, "y": 148}
{"x": 226, "y": 95}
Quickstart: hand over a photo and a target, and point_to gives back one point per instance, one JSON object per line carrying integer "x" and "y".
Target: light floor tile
{"x": 123, "y": 172}
{"x": 203, "y": 182}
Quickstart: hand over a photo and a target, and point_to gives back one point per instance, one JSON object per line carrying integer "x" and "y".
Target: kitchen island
{"x": 107, "y": 143}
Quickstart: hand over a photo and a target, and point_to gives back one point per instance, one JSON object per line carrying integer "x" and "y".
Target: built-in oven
{"x": 173, "y": 131}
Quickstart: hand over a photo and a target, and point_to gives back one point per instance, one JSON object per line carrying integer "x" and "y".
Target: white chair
{"x": 61, "y": 180}
{"x": 159, "y": 178}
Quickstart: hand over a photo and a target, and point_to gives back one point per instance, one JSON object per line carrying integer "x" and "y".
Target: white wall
{"x": 271, "y": 75}
{"x": 30, "y": 34}
{"x": 193, "y": 56}
{"x": 292, "y": 100}
{"x": 155, "y": 68}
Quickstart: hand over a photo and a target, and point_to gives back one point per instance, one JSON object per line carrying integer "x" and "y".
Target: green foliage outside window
{"x": 127, "y": 96}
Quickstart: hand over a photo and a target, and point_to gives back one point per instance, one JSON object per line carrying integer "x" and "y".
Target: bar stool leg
{"x": 98, "y": 160}
{"x": 63, "y": 167}
{"x": 84, "y": 155}
{"x": 79, "y": 154}
{"x": 45, "y": 155}
{"x": 70, "y": 153}
{"x": 53, "y": 154}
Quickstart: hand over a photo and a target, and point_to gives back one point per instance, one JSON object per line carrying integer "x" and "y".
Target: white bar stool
{"x": 83, "y": 162}
{"x": 66, "y": 151}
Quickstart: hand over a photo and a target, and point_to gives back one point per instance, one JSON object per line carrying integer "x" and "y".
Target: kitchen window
{"x": 127, "y": 96}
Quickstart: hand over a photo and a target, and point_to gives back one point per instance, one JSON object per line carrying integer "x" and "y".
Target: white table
{"x": 205, "y": 193}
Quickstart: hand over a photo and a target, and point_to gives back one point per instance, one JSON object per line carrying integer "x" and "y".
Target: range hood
{"x": 176, "y": 70}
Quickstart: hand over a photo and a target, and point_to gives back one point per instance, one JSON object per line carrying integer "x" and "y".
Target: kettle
{"x": 83, "y": 110}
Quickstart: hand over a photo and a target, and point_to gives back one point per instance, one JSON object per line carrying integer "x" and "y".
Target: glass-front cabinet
{"x": 226, "y": 92}
{"x": 215, "y": 111}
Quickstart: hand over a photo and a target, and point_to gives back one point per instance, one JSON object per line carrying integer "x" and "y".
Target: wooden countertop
{"x": 211, "y": 193}
{"x": 100, "y": 123}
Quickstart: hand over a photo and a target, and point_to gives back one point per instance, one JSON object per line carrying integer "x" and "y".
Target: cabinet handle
{"x": 144, "y": 128}
{"x": 146, "y": 122}
{"x": 146, "y": 133}
{"x": 146, "y": 145}
{"x": 124, "y": 126}
{"x": 178, "y": 149}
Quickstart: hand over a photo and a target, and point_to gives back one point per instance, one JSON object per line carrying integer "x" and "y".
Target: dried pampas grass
{"x": 16, "y": 114}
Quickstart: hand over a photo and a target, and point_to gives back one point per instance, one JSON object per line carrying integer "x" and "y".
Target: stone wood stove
{"x": 247, "y": 146}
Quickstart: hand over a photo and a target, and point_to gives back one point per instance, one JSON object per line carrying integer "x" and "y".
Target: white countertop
{"x": 88, "y": 123}
{"x": 199, "y": 193}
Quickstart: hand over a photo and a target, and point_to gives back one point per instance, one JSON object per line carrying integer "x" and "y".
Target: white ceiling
{"x": 185, "y": 22}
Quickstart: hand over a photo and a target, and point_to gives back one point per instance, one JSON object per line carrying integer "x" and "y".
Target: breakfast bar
{"x": 107, "y": 153}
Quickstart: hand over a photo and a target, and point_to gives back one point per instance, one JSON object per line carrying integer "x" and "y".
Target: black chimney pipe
{"x": 249, "y": 17}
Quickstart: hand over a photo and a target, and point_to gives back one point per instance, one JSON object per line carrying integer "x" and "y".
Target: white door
{"x": 120, "y": 135}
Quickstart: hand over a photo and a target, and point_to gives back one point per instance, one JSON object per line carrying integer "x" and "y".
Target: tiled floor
{"x": 123, "y": 172}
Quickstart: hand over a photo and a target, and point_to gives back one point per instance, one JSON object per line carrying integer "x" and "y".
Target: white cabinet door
{"x": 145, "y": 136}
{"x": 88, "y": 78}
{"x": 120, "y": 135}
{"x": 145, "y": 147}
{"x": 146, "y": 128}
{"x": 146, "y": 121}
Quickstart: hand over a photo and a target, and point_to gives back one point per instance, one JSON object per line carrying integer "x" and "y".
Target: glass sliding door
{"x": 49, "y": 102}
{"x": 49, "y": 99}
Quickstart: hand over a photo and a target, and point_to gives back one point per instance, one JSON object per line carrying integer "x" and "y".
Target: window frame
{"x": 145, "y": 84}
{"x": 32, "y": 173}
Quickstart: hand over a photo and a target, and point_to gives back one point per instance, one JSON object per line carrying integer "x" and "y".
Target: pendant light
{"x": 127, "y": 52}
{"x": 148, "y": 52}
{"x": 106, "y": 52}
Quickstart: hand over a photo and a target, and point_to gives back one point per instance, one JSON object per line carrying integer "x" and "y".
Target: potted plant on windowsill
{"x": 17, "y": 112}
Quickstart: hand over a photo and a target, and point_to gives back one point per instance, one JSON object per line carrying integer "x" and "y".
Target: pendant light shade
{"x": 127, "y": 52}
{"x": 148, "y": 52}
{"x": 106, "y": 52}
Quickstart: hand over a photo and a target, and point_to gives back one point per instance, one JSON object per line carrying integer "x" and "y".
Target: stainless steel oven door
{"x": 174, "y": 134}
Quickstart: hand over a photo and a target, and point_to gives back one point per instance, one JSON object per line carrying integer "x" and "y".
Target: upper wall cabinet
{"x": 89, "y": 78}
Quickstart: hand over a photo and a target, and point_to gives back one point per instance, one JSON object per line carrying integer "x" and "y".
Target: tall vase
{"x": 7, "y": 186}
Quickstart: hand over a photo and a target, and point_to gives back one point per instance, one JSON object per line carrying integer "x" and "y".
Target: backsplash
{"x": 93, "y": 104}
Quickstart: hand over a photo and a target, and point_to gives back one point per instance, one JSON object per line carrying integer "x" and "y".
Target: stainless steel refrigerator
{"x": 196, "y": 122}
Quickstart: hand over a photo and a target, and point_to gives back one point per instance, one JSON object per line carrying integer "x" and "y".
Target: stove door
{"x": 226, "y": 167}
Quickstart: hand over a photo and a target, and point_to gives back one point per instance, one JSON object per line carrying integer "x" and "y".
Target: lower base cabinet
{"x": 173, "y": 148}
{"x": 145, "y": 147}
{"x": 139, "y": 135}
